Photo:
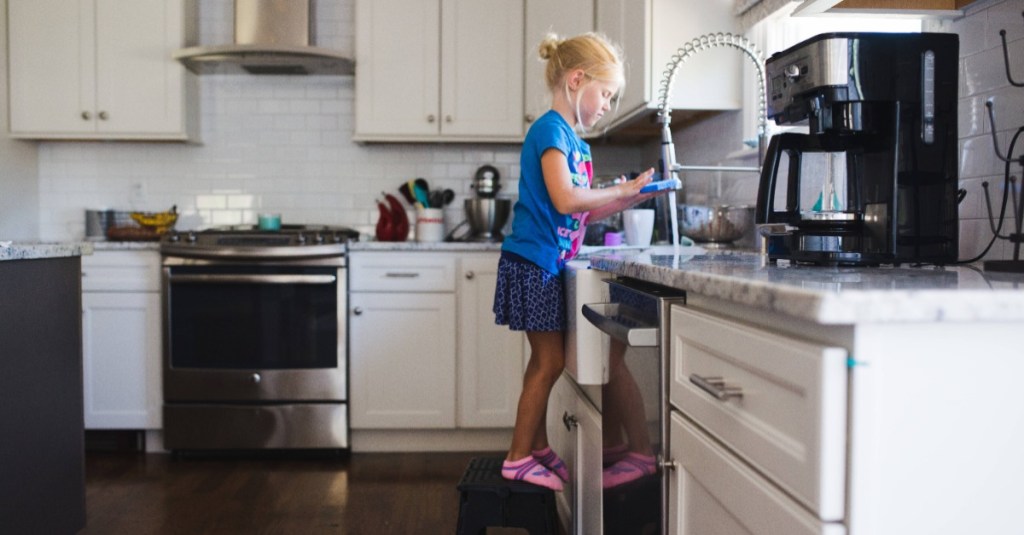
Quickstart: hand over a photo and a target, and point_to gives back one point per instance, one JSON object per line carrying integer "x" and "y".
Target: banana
{"x": 159, "y": 221}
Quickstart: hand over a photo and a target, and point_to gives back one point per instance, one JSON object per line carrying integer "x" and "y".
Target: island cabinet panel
{"x": 42, "y": 475}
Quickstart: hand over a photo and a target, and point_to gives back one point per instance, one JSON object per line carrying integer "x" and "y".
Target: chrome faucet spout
{"x": 705, "y": 42}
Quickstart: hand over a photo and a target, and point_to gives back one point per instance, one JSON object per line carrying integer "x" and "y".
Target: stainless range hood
{"x": 271, "y": 37}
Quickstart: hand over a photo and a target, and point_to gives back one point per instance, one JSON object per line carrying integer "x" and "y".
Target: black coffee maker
{"x": 875, "y": 179}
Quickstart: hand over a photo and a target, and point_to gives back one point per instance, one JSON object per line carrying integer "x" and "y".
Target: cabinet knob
{"x": 529, "y": 118}
{"x": 358, "y": 311}
{"x": 103, "y": 116}
{"x": 86, "y": 116}
{"x": 470, "y": 275}
{"x": 431, "y": 118}
{"x": 255, "y": 378}
{"x": 447, "y": 118}
{"x": 570, "y": 421}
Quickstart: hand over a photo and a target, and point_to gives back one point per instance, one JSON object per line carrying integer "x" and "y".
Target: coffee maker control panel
{"x": 794, "y": 72}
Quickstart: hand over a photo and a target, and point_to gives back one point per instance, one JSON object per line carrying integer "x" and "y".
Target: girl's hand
{"x": 631, "y": 188}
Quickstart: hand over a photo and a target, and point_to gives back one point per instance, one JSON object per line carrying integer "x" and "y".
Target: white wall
{"x": 19, "y": 182}
{"x": 983, "y": 76}
{"x": 269, "y": 143}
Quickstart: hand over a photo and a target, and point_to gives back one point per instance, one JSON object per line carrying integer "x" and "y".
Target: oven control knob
{"x": 192, "y": 237}
{"x": 301, "y": 238}
{"x": 255, "y": 378}
{"x": 174, "y": 237}
{"x": 319, "y": 238}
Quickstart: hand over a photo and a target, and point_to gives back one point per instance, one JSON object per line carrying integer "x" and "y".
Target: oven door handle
{"x": 254, "y": 279}
{"x": 614, "y": 320}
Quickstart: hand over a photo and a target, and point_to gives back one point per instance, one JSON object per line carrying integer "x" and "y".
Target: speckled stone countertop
{"x": 412, "y": 246}
{"x": 38, "y": 250}
{"x": 829, "y": 295}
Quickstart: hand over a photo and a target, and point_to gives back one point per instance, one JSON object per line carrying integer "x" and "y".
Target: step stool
{"x": 488, "y": 500}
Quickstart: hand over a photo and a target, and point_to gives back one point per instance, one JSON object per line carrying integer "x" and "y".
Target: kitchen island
{"x": 42, "y": 476}
{"x": 839, "y": 400}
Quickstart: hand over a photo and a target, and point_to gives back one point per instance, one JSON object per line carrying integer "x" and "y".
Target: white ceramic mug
{"x": 429, "y": 225}
{"x": 638, "y": 225}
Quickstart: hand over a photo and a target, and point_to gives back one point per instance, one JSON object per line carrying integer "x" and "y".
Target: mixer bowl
{"x": 715, "y": 224}
{"x": 486, "y": 218}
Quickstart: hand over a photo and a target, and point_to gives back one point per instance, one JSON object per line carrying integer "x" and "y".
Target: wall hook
{"x": 995, "y": 141}
{"x": 1006, "y": 58}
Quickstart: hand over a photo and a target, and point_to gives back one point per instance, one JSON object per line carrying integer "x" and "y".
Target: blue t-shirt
{"x": 539, "y": 233}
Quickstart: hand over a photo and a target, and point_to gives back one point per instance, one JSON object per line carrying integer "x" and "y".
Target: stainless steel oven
{"x": 255, "y": 345}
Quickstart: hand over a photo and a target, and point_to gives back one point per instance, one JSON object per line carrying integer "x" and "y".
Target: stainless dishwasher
{"x": 635, "y": 402}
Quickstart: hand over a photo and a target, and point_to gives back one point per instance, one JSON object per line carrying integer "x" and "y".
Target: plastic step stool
{"x": 487, "y": 500}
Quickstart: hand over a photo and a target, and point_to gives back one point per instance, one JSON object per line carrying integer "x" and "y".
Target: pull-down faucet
{"x": 705, "y": 42}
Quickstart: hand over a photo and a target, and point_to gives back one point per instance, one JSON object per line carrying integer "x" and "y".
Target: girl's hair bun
{"x": 548, "y": 46}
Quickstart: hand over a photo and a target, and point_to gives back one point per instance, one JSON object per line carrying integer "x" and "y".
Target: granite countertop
{"x": 456, "y": 246}
{"x": 829, "y": 295}
{"x": 38, "y": 250}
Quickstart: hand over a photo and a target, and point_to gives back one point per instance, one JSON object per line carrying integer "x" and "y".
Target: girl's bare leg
{"x": 547, "y": 358}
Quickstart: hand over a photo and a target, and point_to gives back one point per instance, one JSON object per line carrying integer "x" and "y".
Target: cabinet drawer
{"x": 401, "y": 272}
{"x": 789, "y": 419}
{"x": 714, "y": 492}
{"x": 121, "y": 271}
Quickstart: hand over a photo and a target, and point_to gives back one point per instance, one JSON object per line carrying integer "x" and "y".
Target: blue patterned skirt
{"x": 528, "y": 298}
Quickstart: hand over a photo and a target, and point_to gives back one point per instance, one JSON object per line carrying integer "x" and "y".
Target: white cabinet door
{"x": 439, "y": 70}
{"x": 99, "y": 69}
{"x": 712, "y": 491}
{"x": 397, "y": 71}
{"x": 121, "y": 360}
{"x": 402, "y": 360}
{"x": 565, "y": 18}
{"x": 627, "y": 23}
{"x": 482, "y": 68}
{"x": 490, "y": 365}
{"x": 650, "y": 32}
{"x": 51, "y": 64}
{"x": 574, "y": 432}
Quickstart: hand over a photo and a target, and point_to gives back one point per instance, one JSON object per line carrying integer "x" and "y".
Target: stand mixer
{"x": 487, "y": 214}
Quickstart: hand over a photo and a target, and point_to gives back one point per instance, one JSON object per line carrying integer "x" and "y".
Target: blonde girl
{"x": 583, "y": 73}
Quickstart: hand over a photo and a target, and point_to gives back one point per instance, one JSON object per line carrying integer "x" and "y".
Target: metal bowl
{"x": 487, "y": 217}
{"x": 715, "y": 224}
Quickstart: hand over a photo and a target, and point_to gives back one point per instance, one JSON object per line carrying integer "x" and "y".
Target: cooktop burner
{"x": 251, "y": 241}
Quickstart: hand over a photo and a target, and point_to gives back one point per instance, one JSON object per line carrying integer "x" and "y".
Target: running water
{"x": 673, "y": 218}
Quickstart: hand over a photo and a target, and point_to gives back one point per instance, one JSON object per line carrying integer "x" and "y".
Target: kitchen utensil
{"x": 420, "y": 191}
{"x": 486, "y": 218}
{"x": 485, "y": 181}
{"x": 406, "y": 190}
{"x": 447, "y": 196}
{"x": 715, "y": 224}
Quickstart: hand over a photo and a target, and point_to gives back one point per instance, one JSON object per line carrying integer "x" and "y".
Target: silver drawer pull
{"x": 401, "y": 275}
{"x": 716, "y": 387}
{"x": 254, "y": 279}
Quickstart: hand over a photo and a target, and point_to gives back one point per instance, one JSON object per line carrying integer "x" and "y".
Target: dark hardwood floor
{"x": 364, "y": 493}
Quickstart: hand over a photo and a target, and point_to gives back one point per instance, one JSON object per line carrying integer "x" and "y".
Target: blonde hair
{"x": 590, "y": 52}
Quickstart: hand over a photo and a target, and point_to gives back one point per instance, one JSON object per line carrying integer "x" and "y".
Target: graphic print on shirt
{"x": 570, "y": 238}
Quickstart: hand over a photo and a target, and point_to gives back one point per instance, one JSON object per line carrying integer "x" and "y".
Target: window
{"x": 780, "y": 31}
